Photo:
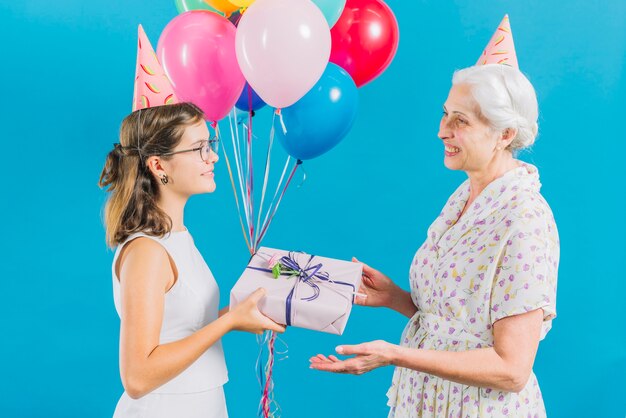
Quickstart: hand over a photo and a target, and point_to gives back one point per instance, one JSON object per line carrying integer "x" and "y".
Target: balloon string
{"x": 250, "y": 186}
{"x": 268, "y": 407}
{"x": 303, "y": 177}
{"x": 246, "y": 176}
{"x": 232, "y": 182}
{"x": 238, "y": 162}
{"x": 280, "y": 182}
{"x": 265, "y": 181}
{"x": 262, "y": 342}
{"x": 250, "y": 111}
{"x": 248, "y": 183}
{"x": 293, "y": 171}
{"x": 282, "y": 122}
{"x": 269, "y": 386}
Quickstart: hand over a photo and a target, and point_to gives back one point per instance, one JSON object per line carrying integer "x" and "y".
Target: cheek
{"x": 462, "y": 139}
{"x": 185, "y": 174}
{"x": 472, "y": 140}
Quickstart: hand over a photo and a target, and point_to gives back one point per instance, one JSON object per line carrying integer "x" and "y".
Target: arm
{"x": 401, "y": 302}
{"x": 380, "y": 290}
{"x": 505, "y": 366}
{"x": 145, "y": 274}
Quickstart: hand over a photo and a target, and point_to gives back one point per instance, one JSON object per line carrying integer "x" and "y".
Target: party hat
{"x": 500, "y": 49}
{"x": 152, "y": 87}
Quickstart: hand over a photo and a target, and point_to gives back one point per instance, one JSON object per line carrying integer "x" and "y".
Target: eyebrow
{"x": 455, "y": 111}
{"x": 198, "y": 141}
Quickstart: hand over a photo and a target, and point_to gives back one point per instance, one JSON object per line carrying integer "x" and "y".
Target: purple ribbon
{"x": 308, "y": 275}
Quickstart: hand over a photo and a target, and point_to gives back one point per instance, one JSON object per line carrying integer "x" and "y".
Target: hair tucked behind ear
{"x": 134, "y": 191}
{"x": 506, "y": 99}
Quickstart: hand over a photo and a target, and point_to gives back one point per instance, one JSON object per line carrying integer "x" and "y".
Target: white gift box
{"x": 315, "y": 292}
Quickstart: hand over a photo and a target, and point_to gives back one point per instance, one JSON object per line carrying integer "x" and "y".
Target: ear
{"x": 155, "y": 167}
{"x": 508, "y": 135}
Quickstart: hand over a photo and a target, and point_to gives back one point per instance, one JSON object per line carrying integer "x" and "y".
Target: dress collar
{"x": 495, "y": 197}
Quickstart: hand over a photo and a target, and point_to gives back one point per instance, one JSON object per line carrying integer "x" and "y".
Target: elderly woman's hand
{"x": 369, "y": 356}
{"x": 379, "y": 290}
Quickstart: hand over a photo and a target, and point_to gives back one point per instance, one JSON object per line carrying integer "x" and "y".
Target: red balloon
{"x": 364, "y": 39}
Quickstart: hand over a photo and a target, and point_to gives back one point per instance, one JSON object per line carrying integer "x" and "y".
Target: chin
{"x": 450, "y": 165}
{"x": 209, "y": 189}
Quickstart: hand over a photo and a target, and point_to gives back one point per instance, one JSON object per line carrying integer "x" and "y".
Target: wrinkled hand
{"x": 378, "y": 288}
{"x": 247, "y": 317}
{"x": 369, "y": 356}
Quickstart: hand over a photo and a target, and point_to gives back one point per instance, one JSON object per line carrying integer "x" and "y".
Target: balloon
{"x": 223, "y": 6}
{"x": 332, "y": 9}
{"x": 186, "y": 5}
{"x": 197, "y": 51}
{"x": 365, "y": 39}
{"x": 234, "y": 18}
{"x": 282, "y": 48}
{"x": 249, "y": 100}
{"x": 320, "y": 120}
{"x": 242, "y": 3}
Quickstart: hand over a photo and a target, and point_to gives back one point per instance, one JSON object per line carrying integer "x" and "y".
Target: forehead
{"x": 194, "y": 133}
{"x": 460, "y": 99}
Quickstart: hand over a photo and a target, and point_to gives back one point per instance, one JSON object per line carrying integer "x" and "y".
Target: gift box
{"x": 302, "y": 290}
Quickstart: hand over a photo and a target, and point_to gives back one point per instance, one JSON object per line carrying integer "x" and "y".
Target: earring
{"x": 164, "y": 179}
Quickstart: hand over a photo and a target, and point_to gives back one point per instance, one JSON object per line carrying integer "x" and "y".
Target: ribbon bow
{"x": 313, "y": 276}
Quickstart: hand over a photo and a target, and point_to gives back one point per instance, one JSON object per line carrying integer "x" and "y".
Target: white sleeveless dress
{"x": 191, "y": 303}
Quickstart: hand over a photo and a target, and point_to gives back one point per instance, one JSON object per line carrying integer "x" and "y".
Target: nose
{"x": 444, "y": 129}
{"x": 213, "y": 157}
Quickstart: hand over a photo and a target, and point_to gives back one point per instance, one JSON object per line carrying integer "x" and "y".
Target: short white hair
{"x": 506, "y": 99}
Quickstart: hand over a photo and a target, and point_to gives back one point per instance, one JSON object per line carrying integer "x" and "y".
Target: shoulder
{"x": 142, "y": 247}
{"x": 528, "y": 213}
{"x": 143, "y": 257}
{"x": 528, "y": 206}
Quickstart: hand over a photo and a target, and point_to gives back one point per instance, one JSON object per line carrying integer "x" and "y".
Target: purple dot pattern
{"x": 499, "y": 259}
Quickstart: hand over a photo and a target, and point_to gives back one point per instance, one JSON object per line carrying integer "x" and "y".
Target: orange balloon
{"x": 242, "y": 3}
{"x": 223, "y": 6}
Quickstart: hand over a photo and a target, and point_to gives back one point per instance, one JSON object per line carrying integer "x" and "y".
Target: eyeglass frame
{"x": 214, "y": 140}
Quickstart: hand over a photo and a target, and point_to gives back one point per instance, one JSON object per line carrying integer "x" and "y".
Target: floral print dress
{"x": 499, "y": 259}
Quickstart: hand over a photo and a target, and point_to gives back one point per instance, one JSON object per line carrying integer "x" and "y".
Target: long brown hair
{"x": 134, "y": 191}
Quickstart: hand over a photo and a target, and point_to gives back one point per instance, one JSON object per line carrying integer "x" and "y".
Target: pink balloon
{"x": 197, "y": 51}
{"x": 282, "y": 48}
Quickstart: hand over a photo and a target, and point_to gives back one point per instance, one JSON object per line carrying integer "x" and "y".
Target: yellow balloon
{"x": 224, "y": 6}
{"x": 242, "y": 3}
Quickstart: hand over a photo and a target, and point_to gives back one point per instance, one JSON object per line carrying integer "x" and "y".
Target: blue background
{"x": 67, "y": 72}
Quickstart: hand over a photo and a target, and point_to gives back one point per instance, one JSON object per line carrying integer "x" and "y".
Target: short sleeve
{"x": 526, "y": 275}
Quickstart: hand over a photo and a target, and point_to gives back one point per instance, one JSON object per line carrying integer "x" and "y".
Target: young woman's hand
{"x": 247, "y": 317}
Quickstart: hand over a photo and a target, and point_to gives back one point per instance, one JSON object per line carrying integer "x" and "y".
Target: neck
{"x": 499, "y": 165}
{"x": 174, "y": 206}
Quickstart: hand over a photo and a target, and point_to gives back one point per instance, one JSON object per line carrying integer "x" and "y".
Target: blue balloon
{"x": 322, "y": 118}
{"x": 249, "y": 100}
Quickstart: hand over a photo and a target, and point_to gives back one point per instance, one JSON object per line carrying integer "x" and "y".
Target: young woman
{"x": 171, "y": 358}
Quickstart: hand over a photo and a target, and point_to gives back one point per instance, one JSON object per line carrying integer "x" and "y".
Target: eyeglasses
{"x": 205, "y": 149}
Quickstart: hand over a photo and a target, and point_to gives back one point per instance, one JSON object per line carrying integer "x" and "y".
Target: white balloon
{"x": 282, "y": 48}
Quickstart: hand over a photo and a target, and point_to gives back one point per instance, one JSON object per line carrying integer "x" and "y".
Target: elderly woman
{"x": 483, "y": 285}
